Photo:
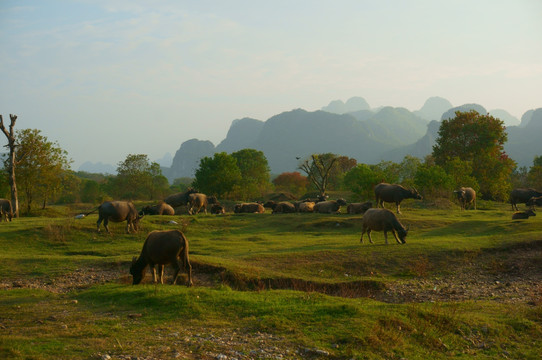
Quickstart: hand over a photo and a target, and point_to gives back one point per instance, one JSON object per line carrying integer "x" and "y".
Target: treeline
{"x": 468, "y": 152}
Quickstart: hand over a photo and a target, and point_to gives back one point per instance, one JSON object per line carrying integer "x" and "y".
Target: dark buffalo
{"x": 394, "y": 193}
{"x": 162, "y": 248}
{"x": 198, "y": 201}
{"x": 359, "y": 208}
{"x": 179, "y": 199}
{"x": 249, "y": 208}
{"x": 284, "y": 207}
{"x": 118, "y": 211}
{"x": 6, "y": 211}
{"x": 535, "y": 201}
{"x": 523, "y": 214}
{"x": 522, "y": 196}
{"x": 217, "y": 209}
{"x": 159, "y": 209}
{"x": 383, "y": 220}
{"x": 466, "y": 197}
{"x": 329, "y": 206}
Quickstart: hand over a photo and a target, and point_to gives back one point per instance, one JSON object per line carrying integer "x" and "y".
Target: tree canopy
{"x": 41, "y": 166}
{"x": 479, "y": 139}
{"x": 217, "y": 175}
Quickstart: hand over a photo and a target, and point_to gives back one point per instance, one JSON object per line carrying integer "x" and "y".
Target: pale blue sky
{"x": 110, "y": 78}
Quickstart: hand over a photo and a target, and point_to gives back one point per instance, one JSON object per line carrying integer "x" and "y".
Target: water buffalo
{"x": 284, "y": 207}
{"x": 159, "y": 209}
{"x": 382, "y": 220}
{"x": 118, "y": 211}
{"x": 466, "y": 197}
{"x": 198, "y": 201}
{"x": 359, "y": 208}
{"x": 306, "y": 206}
{"x": 522, "y": 196}
{"x": 249, "y": 208}
{"x": 329, "y": 206}
{"x": 162, "y": 248}
{"x": 394, "y": 193}
{"x": 523, "y": 214}
{"x": 179, "y": 199}
{"x": 6, "y": 211}
{"x": 217, "y": 209}
{"x": 535, "y": 201}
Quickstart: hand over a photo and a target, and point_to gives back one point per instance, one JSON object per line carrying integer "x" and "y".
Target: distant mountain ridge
{"x": 353, "y": 129}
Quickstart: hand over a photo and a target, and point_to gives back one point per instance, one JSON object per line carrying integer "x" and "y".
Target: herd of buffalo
{"x": 171, "y": 246}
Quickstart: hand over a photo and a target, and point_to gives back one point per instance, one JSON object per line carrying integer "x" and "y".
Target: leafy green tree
{"x": 387, "y": 171}
{"x": 91, "y": 192}
{"x": 461, "y": 173}
{"x": 41, "y": 165}
{"x": 292, "y": 182}
{"x": 217, "y": 175}
{"x": 138, "y": 178}
{"x": 534, "y": 177}
{"x": 433, "y": 181}
{"x": 479, "y": 139}
{"x": 254, "y": 173}
{"x": 407, "y": 170}
{"x": 361, "y": 180}
{"x": 338, "y": 172}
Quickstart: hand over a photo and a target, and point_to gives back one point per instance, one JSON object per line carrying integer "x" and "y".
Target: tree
{"x": 432, "y": 180}
{"x": 292, "y": 182}
{"x": 534, "y": 177}
{"x": 318, "y": 169}
{"x": 254, "y": 172}
{"x": 479, "y": 139}
{"x": 217, "y": 175}
{"x": 41, "y": 165}
{"x": 339, "y": 170}
{"x": 361, "y": 180}
{"x": 138, "y": 178}
{"x": 10, "y": 164}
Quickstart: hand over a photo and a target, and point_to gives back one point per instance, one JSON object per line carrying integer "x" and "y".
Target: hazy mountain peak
{"x": 353, "y": 104}
{"x": 433, "y": 108}
{"x": 450, "y": 114}
{"x": 509, "y": 120}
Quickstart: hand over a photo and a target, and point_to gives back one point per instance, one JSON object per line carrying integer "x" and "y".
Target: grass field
{"x": 466, "y": 285}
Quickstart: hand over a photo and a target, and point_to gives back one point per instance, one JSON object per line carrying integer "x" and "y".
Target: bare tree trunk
{"x": 11, "y": 166}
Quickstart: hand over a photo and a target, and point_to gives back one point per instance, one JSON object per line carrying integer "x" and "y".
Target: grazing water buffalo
{"x": 179, "y": 199}
{"x": 466, "y": 197}
{"x": 249, "y": 208}
{"x": 394, "y": 193}
{"x": 117, "y": 211}
{"x": 522, "y": 196}
{"x": 523, "y": 214}
{"x": 198, "y": 201}
{"x": 162, "y": 248}
{"x": 329, "y": 207}
{"x": 6, "y": 211}
{"x": 535, "y": 201}
{"x": 382, "y": 220}
{"x": 359, "y": 208}
{"x": 160, "y": 209}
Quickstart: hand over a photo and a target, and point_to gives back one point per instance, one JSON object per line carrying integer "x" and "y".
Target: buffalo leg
{"x": 153, "y": 269}
{"x": 386, "y": 236}
{"x": 176, "y": 268}
{"x": 106, "y": 222}
{"x": 98, "y": 223}
{"x": 369, "y": 235}
{"x": 161, "y": 273}
{"x": 398, "y": 208}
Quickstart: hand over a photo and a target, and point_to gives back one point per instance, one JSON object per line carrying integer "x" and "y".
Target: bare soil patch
{"x": 509, "y": 275}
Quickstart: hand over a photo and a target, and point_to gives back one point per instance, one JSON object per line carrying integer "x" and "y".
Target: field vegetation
{"x": 465, "y": 285}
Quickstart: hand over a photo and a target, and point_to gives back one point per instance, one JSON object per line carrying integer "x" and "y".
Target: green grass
{"x": 258, "y": 251}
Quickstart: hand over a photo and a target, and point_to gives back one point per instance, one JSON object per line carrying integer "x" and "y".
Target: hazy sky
{"x": 110, "y": 78}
